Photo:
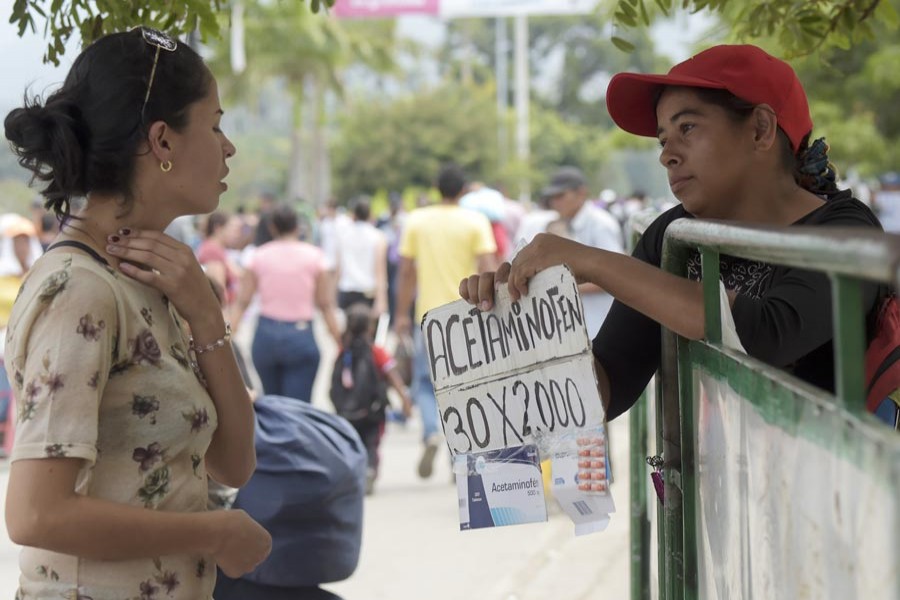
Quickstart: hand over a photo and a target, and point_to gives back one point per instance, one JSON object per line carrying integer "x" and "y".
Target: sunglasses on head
{"x": 162, "y": 42}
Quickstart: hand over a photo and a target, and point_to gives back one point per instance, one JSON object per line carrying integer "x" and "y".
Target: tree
{"x": 804, "y": 26}
{"x": 399, "y": 144}
{"x": 92, "y": 19}
{"x": 308, "y": 54}
{"x": 588, "y": 58}
{"x": 858, "y": 115}
{"x": 801, "y": 26}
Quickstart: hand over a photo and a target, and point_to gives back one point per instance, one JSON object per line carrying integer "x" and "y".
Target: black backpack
{"x": 358, "y": 391}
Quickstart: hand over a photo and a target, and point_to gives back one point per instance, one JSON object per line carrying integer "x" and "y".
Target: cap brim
{"x": 631, "y": 98}
{"x": 554, "y": 190}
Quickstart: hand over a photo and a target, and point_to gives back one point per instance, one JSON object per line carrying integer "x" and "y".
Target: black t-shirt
{"x": 782, "y": 314}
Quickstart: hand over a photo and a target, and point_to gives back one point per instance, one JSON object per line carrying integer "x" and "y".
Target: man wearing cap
{"x": 582, "y": 221}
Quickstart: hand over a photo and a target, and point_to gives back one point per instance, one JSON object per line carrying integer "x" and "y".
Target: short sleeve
{"x": 320, "y": 261}
{"x": 59, "y": 358}
{"x": 484, "y": 240}
{"x": 383, "y": 359}
{"x": 629, "y": 344}
{"x": 329, "y": 246}
{"x": 793, "y": 317}
{"x": 251, "y": 262}
{"x": 408, "y": 238}
{"x": 210, "y": 252}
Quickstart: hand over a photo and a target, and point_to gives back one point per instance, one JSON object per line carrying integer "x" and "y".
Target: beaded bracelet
{"x": 198, "y": 350}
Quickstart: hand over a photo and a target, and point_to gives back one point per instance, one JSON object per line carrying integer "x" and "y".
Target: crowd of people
{"x": 278, "y": 270}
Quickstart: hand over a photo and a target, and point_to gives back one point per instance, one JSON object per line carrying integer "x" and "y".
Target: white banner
{"x": 450, "y": 9}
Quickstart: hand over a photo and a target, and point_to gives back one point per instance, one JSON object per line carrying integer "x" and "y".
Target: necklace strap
{"x": 81, "y": 246}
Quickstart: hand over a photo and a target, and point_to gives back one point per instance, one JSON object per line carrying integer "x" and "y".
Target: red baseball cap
{"x": 746, "y": 71}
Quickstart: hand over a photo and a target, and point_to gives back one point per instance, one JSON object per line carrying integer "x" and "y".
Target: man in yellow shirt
{"x": 439, "y": 246}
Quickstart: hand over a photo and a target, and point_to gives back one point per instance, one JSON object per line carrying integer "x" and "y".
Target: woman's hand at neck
{"x": 103, "y": 218}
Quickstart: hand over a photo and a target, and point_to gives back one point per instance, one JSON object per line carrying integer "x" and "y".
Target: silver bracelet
{"x": 198, "y": 350}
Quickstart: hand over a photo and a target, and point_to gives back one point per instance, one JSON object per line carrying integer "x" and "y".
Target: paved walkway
{"x": 413, "y": 549}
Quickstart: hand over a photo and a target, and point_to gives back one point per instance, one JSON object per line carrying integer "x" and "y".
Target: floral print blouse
{"x": 100, "y": 370}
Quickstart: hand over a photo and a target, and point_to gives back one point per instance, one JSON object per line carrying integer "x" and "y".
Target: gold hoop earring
{"x": 165, "y": 166}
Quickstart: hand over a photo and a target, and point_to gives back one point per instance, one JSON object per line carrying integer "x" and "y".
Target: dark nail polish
{"x": 114, "y": 239}
{"x": 125, "y": 231}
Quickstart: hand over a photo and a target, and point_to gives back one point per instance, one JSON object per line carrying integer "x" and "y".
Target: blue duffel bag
{"x": 307, "y": 491}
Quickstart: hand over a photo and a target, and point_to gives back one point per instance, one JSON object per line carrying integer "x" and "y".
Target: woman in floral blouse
{"x": 121, "y": 413}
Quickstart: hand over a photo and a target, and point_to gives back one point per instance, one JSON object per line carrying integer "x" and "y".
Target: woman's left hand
{"x": 158, "y": 260}
{"x": 545, "y": 250}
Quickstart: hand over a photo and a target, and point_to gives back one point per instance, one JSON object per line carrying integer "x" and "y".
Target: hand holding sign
{"x": 479, "y": 289}
{"x": 546, "y": 250}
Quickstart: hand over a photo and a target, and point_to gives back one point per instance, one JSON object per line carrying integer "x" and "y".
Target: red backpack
{"x": 883, "y": 364}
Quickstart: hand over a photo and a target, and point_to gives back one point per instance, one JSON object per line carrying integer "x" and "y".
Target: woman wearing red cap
{"x": 734, "y": 127}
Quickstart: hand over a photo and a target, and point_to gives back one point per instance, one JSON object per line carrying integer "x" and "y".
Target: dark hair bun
{"x": 49, "y": 141}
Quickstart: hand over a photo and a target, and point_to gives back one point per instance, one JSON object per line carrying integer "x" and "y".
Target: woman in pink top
{"x": 292, "y": 282}
{"x": 220, "y": 229}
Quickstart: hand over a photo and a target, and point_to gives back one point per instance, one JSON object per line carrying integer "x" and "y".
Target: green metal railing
{"x": 833, "y": 429}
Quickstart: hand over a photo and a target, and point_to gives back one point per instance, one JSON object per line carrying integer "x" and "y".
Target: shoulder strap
{"x": 80, "y": 246}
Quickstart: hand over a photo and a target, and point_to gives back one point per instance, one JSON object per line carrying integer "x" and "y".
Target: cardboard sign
{"x": 517, "y": 374}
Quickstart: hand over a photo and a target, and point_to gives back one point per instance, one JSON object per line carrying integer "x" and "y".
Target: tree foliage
{"x": 853, "y": 97}
{"x": 395, "y": 144}
{"x": 588, "y": 57}
{"x": 398, "y": 144}
{"x": 286, "y": 42}
{"x": 91, "y": 19}
{"x": 800, "y": 26}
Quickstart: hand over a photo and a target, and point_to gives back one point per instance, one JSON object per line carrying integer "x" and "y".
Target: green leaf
{"x": 97, "y": 29}
{"x": 863, "y": 31}
{"x": 840, "y": 39}
{"x": 848, "y": 20}
{"x": 621, "y": 44}
{"x": 887, "y": 14}
{"x": 812, "y": 30}
{"x": 644, "y": 16}
{"x": 624, "y": 19}
{"x": 810, "y": 16}
{"x": 664, "y": 6}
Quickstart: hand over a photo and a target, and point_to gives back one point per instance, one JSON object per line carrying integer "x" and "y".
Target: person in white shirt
{"x": 362, "y": 262}
{"x": 582, "y": 221}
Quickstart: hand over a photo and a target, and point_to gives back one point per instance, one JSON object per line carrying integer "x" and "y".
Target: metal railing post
{"x": 849, "y": 256}
{"x": 640, "y": 521}
{"x": 849, "y": 343}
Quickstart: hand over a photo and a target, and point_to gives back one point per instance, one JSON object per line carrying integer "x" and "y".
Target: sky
{"x": 20, "y": 62}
